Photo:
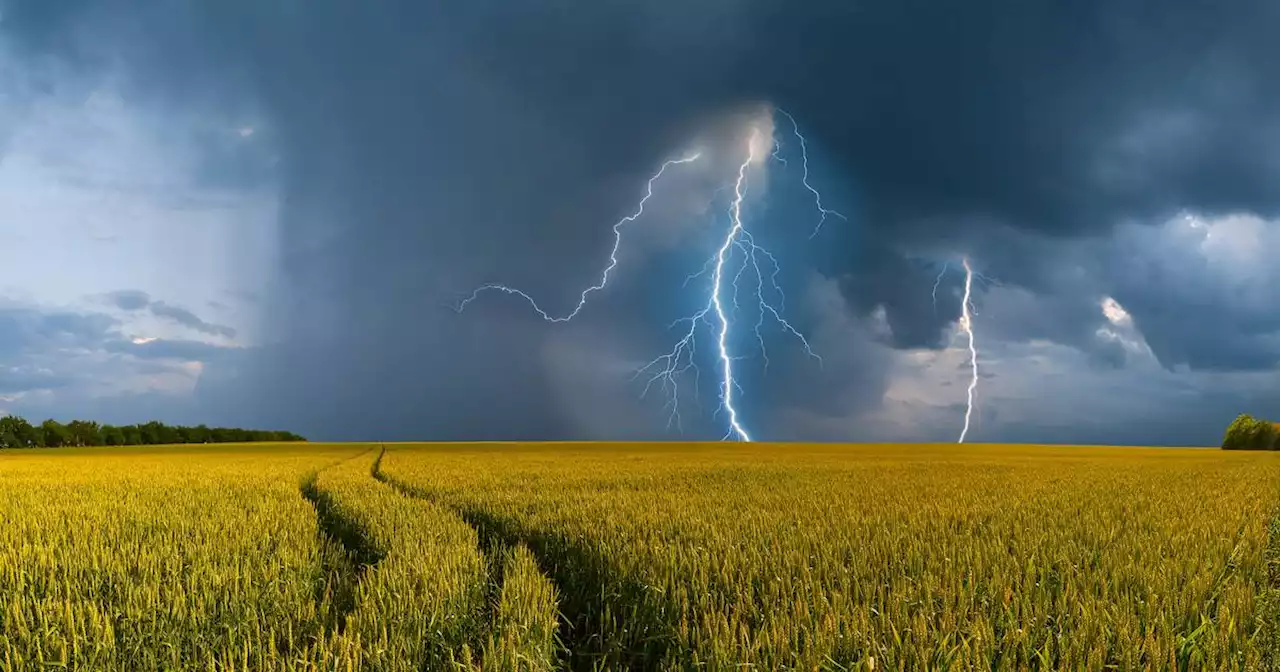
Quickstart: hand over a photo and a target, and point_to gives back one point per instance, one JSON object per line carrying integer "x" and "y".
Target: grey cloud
{"x": 28, "y": 379}
{"x": 190, "y": 320}
{"x": 119, "y": 409}
{"x": 23, "y": 328}
{"x": 850, "y": 378}
{"x": 129, "y": 299}
{"x": 134, "y": 300}
{"x": 61, "y": 363}
{"x": 194, "y": 351}
{"x": 427, "y": 148}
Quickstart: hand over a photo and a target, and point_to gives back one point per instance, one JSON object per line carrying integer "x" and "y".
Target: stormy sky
{"x": 262, "y": 214}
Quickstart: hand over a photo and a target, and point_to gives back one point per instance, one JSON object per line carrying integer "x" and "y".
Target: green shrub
{"x": 1249, "y": 433}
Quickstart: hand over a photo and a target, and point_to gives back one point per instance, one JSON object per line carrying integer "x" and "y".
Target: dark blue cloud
{"x": 427, "y": 147}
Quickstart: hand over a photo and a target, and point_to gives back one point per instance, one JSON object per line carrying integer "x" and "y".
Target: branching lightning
{"x": 804, "y": 156}
{"x": 937, "y": 281}
{"x": 665, "y": 369}
{"x": 726, "y": 362}
{"x": 760, "y": 268}
{"x": 966, "y": 325}
{"x": 613, "y": 255}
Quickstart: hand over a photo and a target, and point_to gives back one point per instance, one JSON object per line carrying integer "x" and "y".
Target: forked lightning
{"x": 719, "y": 309}
{"x": 613, "y": 255}
{"x": 965, "y": 325}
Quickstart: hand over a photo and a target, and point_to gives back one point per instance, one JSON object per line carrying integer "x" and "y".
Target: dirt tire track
{"x": 346, "y": 554}
{"x": 1270, "y": 601}
{"x": 583, "y": 643}
{"x": 491, "y": 547}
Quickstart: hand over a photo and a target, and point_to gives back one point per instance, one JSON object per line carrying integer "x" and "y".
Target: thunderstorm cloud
{"x": 264, "y": 213}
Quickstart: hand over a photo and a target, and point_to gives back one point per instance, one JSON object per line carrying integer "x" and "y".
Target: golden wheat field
{"x": 638, "y": 557}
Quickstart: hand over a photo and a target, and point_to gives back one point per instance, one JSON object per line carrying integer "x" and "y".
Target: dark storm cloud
{"x": 428, "y": 147}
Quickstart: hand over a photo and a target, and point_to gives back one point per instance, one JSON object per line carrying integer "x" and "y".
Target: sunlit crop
{"x": 887, "y": 557}
{"x": 146, "y": 561}
{"x": 641, "y": 557}
{"x": 252, "y": 558}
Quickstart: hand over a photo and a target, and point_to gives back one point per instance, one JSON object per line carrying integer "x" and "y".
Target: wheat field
{"x": 638, "y": 557}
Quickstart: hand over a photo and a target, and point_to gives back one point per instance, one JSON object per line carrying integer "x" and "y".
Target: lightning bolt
{"x": 613, "y": 255}
{"x": 937, "y": 281}
{"x": 726, "y": 362}
{"x": 804, "y": 156}
{"x": 665, "y": 369}
{"x": 777, "y": 153}
{"x": 717, "y": 313}
{"x": 966, "y": 325}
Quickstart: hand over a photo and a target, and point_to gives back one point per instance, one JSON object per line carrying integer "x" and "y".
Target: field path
{"x": 849, "y": 557}
{"x": 346, "y": 568}
{"x": 417, "y": 587}
{"x": 588, "y": 632}
{"x": 1271, "y": 598}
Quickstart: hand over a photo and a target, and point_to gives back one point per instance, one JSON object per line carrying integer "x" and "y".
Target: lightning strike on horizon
{"x": 726, "y": 363}
{"x": 613, "y": 254}
{"x": 666, "y": 368}
{"x": 966, "y": 325}
{"x": 804, "y": 156}
{"x": 716, "y": 313}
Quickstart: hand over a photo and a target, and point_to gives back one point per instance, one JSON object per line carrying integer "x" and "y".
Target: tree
{"x": 16, "y": 432}
{"x": 1249, "y": 433}
{"x": 149, "y": 433}
{"x": 53, "y": 434}
{"x": 112, "y": 436}
{"x": 27, "y": 435}
{"x": 84, "y": 433}
{"x": 166, "y": 434}
{"x": 8, "y": 432}
{"x": 132, "y": 435}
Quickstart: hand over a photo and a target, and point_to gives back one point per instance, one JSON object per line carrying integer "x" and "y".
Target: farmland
{"x": 663, "y": 556}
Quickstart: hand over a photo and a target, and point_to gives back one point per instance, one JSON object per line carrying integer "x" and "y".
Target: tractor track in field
{"x": 491, "y": 547}
{"x": 1270, "y": 607}
{"x": 584, "y": 644}
{"x": 346, "y": 554}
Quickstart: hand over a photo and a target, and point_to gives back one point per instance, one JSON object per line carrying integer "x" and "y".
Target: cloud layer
{"x": 1110, "y": 164}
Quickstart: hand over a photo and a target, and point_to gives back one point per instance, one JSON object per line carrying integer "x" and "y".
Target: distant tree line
{"x": 1249, "y": 433}
{"x": 16, "y": 432}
